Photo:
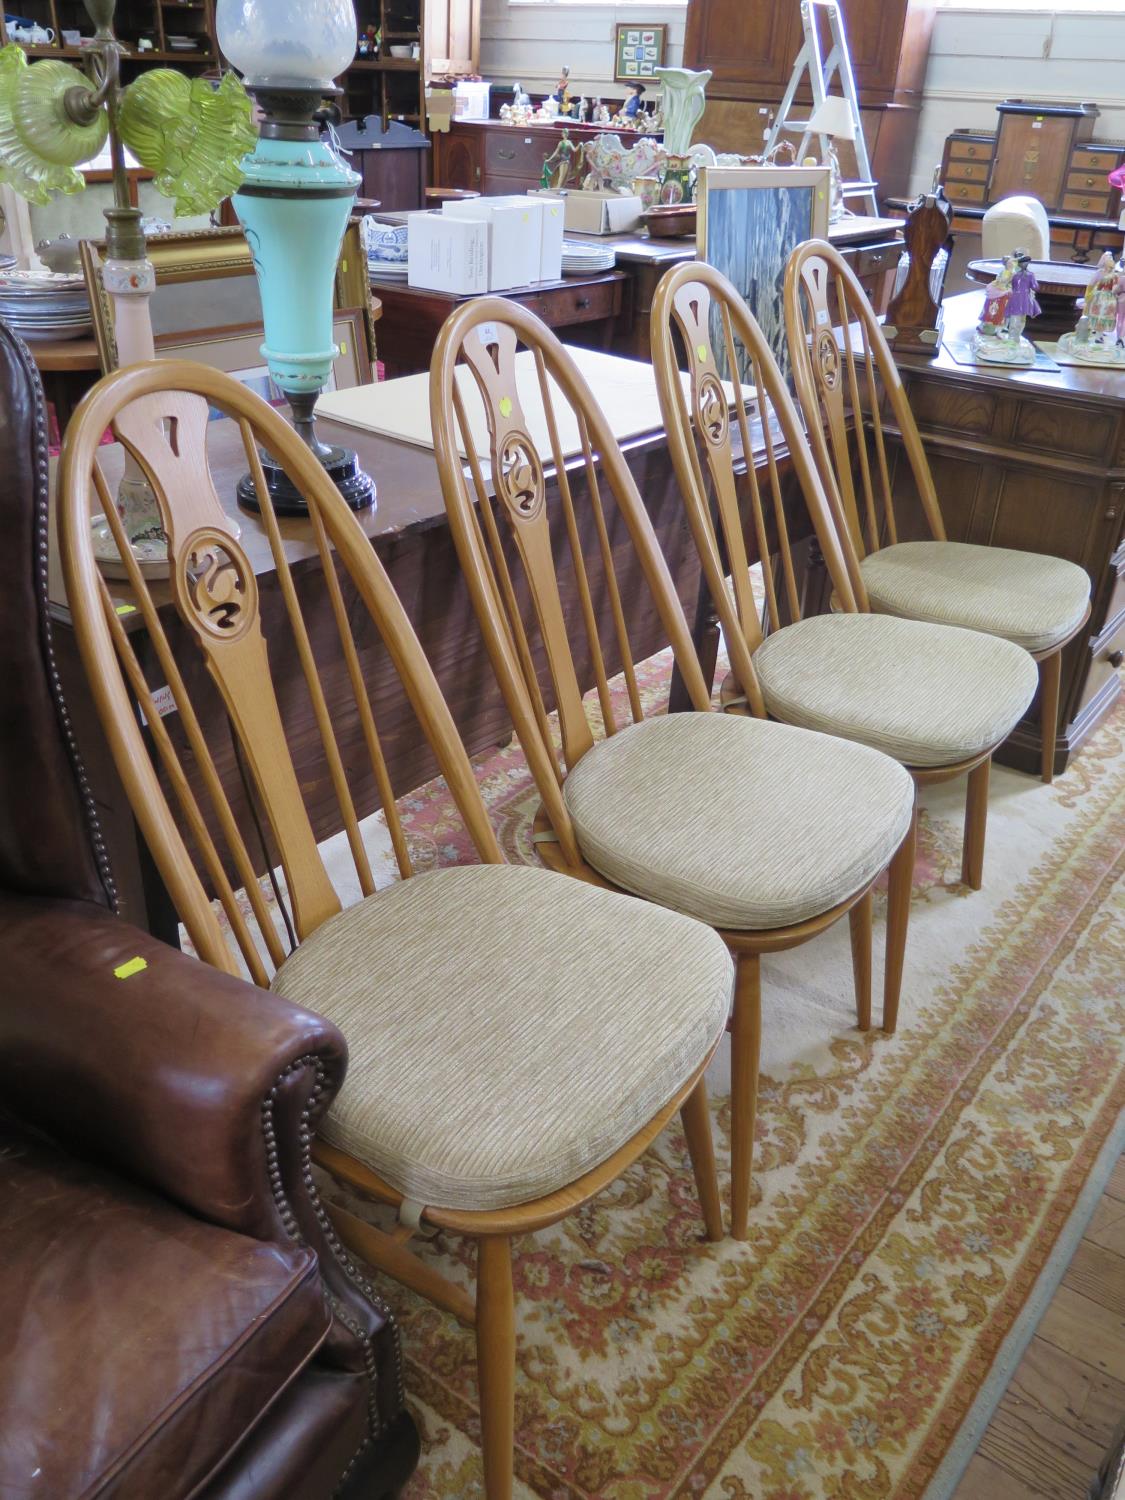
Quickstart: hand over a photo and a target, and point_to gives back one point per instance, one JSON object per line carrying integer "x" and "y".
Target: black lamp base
{"x": 357, "y": 488}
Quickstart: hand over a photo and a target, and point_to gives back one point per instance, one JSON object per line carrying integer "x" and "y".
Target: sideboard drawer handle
{"x": 505, "y": 155}
{"x": 1089, "y": 182}
{"x": 1115, "y": 658}
{"x": 1085, "y": 203}
{"x": 582, "y": 302}
{"x": 972, "y": 150}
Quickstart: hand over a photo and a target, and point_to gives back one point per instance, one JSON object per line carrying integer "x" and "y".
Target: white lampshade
{"x": 832, "y": 118}
{"x": 278, "y": 42}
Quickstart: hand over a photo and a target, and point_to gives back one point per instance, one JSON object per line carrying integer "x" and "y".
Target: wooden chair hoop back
{"x": 702, "y": 304}
{"x": 842, "y": 367}
{"x": 160, "y": 412}
{"x": 486, "y": 334}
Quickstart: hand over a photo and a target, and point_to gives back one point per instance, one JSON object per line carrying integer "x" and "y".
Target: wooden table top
{"x": 394, "y": 289}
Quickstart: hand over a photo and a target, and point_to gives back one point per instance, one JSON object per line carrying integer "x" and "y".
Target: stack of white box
{"x": 486, "y": 244}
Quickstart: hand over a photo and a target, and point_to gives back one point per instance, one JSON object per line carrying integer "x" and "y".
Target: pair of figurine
{"x": 1099, "y": 338}
{"x": 1009, "y": 301}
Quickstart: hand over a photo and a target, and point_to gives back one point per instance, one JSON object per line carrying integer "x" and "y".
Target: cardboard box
{"x": 539, "y": 223}
{"x": 515, "y": 232}
{"x": 447, "y": 254}
{"x": 601, "y": 213}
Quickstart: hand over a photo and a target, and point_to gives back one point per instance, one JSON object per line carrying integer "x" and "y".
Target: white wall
{"x": 979, "y": 57}
{"x": 532, "y": 43}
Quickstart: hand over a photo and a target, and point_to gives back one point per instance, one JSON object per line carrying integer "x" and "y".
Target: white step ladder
{"x": 821, "y": 70}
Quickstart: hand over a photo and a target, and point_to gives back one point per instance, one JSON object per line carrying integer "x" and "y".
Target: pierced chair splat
{"x": 492, "y": 1089}
{"x": 768, "y": 833}
{"x": 1034, "y": 600}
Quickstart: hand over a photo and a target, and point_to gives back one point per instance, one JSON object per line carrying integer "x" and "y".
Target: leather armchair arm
{"x": 172, "y": 1075}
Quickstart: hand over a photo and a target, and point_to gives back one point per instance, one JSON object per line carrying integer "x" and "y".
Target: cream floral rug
{"x": 913, "y": 1194}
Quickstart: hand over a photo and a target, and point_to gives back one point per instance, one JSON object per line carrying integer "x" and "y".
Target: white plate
{"x": 152, "y": 556}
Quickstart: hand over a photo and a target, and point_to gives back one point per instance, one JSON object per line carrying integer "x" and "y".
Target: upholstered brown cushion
{"x": 930, "y": 695}
{"x": 508, "y": 1028}
{"x": 744, "y": 823}
{"x": 140, "y": 1344}
{"x": 1027, "y": 597}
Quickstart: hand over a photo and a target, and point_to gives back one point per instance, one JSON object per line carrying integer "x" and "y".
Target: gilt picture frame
{"x": 749, "y": 221}
{"x": 639, "y": 48}
{"x": 236, "y": 350}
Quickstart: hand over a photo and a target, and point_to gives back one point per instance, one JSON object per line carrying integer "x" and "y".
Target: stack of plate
{"x": 581, "y": 258}
{"x": 45, "y": 305}
{"x": 182, "y": 43}
{"x": 386, "y": 270}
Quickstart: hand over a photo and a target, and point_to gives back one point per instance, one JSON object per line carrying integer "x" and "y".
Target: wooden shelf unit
{"x": 448, "y": 36}
{"x": 134, "y": 21}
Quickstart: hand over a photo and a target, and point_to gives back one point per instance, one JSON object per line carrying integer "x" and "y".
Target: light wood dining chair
{"x": 937, "y": 698}
{"x": 1038, "y": 601}
{"x": 769, "y": 833}
{"x": 514, "y": 1045}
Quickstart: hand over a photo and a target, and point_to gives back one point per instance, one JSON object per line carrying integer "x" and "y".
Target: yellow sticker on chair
{"x": 505, "y": 407}
{"x": 701, "y": 350}
{"x": 130, "y": 967}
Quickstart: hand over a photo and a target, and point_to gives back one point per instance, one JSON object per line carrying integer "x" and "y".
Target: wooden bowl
{"x": 670, "y": 221}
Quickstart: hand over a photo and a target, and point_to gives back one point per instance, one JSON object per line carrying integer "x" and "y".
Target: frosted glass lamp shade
{"x": 287, "y": 43}
{"x": 833, "y": 118}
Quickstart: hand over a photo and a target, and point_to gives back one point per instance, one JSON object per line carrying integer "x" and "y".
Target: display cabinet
{"x": 446, "y": 34}
{"x": 180, "y": 33}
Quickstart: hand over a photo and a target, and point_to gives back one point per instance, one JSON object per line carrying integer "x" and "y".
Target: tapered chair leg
{"x": 745, "y": 1049}
{"x": 900, "y": 884}
{"x": 1050, "y": 676}
{"x": 496, "y": 1364}
{"x": 860, "y": 920}
{"x": 696, "y": 1119}
{"x": 976, "y": 824}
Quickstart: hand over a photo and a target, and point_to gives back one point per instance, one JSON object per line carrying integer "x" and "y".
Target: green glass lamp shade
{"x": 40, "y": 145}
{"x": 192, "y": 136}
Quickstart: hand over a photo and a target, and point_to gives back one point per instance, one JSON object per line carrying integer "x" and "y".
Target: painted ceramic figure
{"x": 1101, "y": 299}
{"x": 1023, "y": 303}
{"x": 633, "y": 103}
{"x": 1119, "y": 291}
{"x": 1009, "y": 301}
{"x": 561, "y": 95}
{"x": 558, "y": 166}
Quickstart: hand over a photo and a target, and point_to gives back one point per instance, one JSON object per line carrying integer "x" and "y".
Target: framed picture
{"x": 749, "y": 221}
{"x": 205, "y": 280}
{"x": 638, "y": 51}
{"x": 236, "y": 350}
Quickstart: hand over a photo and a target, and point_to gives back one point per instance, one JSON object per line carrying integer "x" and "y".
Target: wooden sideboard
{"x": 1049, "y": 152}
{"x": 751, "y": 50}
{"x": 496, "y": 158}
{"x": 1033, "y": 460}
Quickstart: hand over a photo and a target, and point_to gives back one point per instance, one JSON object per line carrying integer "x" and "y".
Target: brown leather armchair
{"x": 179, "y": 1319}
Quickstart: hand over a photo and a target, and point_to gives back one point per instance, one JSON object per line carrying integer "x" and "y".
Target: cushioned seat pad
{"x": 140, "y": 1344}
{"x": 508, "y": 1028}
{"x": 1026, "y": 597}
{"x": 930, "y": 695}
{"x": 745, "y": 824}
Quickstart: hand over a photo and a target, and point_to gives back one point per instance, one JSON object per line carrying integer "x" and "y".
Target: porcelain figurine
{"x": 632, "y": 105}
{"x": 1099, "y": 338}
{"x": 561, "y": 95}
{"x": 1008, "y": 302}
{"x": 520, "y": 97}
{"x": 557, "y": 168}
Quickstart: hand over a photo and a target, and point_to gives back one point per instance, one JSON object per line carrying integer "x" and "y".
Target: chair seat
{"x": 508, "y": 1028}
{"x": 929, "y": 695}
{"x": 1026, "y": 597}
{"x": 745, "y": 824}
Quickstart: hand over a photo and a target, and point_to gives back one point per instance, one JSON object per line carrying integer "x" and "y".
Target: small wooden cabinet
{"x": 493, "y": 157}
{"x": 1035, "y": 148}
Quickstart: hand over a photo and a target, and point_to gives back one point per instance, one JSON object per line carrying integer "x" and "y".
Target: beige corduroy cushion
{"x": 1026, "y": 597}
{"x": 930, "y": 695}
{"x": 507, "y": 1028}
{"x": 742, "y": 823}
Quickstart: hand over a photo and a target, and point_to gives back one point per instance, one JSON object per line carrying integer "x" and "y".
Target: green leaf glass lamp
{"x": 293, "y": 204}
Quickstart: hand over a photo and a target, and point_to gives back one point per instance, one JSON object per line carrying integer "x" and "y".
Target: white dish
{"x": 151, "y": 556}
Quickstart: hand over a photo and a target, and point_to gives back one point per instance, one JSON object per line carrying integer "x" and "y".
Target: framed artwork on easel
{"x": 638, "y": 50}
{"x": 750, "y": 220}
